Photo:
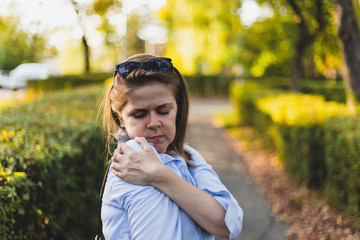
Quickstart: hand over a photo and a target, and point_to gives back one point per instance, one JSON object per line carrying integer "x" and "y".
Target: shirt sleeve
{"x": 208, "y": 181}
{"x": 150, "y": 213}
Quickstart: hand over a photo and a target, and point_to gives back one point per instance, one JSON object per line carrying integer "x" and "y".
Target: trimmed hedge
{"x": 244, "y": 96}
{"x": 298, "y": 120}
{"x": 342, "y": 155}
{"x": 52, "y": 163}
{"x": 199, "y": 85}
{"x": 66, "y": 81}
{"x": 329, "y": 89}
{"x": 209, "y": 85}
{"x": 318, "y": 141}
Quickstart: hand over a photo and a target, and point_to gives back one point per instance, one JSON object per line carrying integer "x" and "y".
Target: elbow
{"x": 220, "y": 230}
{"x": 225, "y": 233}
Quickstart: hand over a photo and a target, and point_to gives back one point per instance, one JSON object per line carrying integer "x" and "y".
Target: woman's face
{"x": 151, "y": 113}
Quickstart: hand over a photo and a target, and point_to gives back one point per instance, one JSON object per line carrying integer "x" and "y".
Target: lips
{"x": 155, "y": 138}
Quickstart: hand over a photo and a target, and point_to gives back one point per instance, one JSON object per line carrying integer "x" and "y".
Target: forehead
{"x": 150, "y": 95}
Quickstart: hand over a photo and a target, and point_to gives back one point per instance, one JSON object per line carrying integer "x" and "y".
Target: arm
{"x": 207, "y": 180}
{"x": 145, "y": 212}
{"x": 199, "y": 205}
{"x": 143, "y": 167}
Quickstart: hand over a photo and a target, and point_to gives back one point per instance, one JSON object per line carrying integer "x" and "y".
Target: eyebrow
{"x": 170, "y": 105}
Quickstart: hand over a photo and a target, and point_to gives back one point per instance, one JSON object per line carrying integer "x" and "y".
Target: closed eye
{"x": 140, "y": 114}
{"x": 163, "y": 110}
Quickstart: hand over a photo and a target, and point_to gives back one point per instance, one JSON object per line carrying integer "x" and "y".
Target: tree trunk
{"x": 86, "y": 54}
{"x": 348, "y": 37}
{"x": 84, "y": 41}
{"x": 297, "y": 69}
{"x": 301, "y": 45}
{"x": 305, "y": 38}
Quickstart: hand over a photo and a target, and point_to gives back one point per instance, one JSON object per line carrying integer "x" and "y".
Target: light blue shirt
{"x": 143, "y": 212}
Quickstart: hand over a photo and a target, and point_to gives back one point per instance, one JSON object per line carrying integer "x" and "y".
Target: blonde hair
{"x": 117, "y": 97}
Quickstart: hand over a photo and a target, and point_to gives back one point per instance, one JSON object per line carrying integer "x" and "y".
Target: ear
{"x": 122, "y": 125}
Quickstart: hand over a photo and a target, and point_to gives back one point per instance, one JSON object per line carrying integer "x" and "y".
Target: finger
{"x": 117, "y": 157}
{"x": 126, "y": 149}
{"x": 118, "y": 173}
{"x": 118, "y": 150}
{"x": 116, "y": 167}
{"x": 143, "y": 142}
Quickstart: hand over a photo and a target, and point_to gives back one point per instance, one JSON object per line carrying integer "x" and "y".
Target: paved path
{"x": 211, "y": 142}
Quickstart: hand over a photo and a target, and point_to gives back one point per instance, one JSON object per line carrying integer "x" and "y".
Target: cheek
{"x": 135, "y": 128}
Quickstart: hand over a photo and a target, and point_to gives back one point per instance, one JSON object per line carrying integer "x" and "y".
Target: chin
{"x": 160, "y": 149}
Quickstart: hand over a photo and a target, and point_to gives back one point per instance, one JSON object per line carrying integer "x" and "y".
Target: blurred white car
{"x": 21, "y": 74}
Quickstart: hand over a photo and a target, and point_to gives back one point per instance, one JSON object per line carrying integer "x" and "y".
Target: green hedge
{"x": 52, "y": 163}
{"x": 318, "y": 141}
{"x": 331, "y": 90}
{"x": 199, "y": 85}
{"x": 66, "y": 81}
{"x": 213, "y": 85}
{"x": 342, "y": 154}
{"x": 299, "y": 123}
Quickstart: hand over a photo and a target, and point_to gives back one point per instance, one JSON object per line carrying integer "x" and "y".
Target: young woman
{"x": 157, "y": 187}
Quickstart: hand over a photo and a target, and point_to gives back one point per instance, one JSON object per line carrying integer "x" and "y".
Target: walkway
{"x": 212, "y": 143}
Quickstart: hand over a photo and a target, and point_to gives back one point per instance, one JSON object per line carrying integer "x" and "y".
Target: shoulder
{"x": 196, "y": 157}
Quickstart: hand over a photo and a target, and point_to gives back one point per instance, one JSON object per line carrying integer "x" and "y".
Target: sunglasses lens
{"x": 125, "y": 69}
{"x": 155, "y": 65}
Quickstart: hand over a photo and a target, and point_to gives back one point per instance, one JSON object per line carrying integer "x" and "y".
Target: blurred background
{"x": 290, "y": 68}
{"x": 236, "y": 37}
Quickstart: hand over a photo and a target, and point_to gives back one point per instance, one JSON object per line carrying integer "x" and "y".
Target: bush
{"x": 298, "y": 120}
{"x": 244, "y": 96}
{"x": 213, "y": 85}
{"x": 51, "y": 155}
{"x": 342, "y": 151}
{"x": 66, "y": 82}
{"x": 330, "y": 90}
{"x": 318, "y": 141}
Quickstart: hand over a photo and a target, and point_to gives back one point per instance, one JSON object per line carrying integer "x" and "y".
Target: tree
{"x": 306, "y": 12}
{"x": 267, "y": 45}
{"x": 203, "y": 35}
{"x": 130, "y": 43}
{"x": 17, "y": 46}
{"x": 348, "y": 37}
{"x": 84, "y": 42}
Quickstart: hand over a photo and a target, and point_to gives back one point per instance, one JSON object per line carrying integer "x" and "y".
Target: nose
{"x": 154, "y": 121}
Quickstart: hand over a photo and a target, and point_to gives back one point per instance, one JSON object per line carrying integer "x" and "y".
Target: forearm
{"x": 199, "y": 205}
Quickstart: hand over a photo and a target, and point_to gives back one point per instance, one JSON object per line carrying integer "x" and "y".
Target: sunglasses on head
{"x": 160, "y": 65}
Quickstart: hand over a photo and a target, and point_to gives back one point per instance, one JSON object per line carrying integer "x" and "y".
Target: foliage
{"x": 212, "y": 85}
{"x": 104, "y": 8}
{"x": 293, "y": 123}
{"x": 17, "y": 46}
{"x": 52, "y": 162}
{"x": 300, "y": 110}
{"x": 130, "y": 43}
{"x": 66, "y": 82}
{"x": 316, "y": 140}
{"x": 202, "y": 35}
{"x": 342, "y": 141}
{"x": 244, "y": 96}
{"x": 298, "y": 132}
{"x": 273, "y": 57}
{"x": 330, "y": 90}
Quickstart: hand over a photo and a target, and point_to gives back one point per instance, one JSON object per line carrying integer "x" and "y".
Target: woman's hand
{"x": 137, "y": 167}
